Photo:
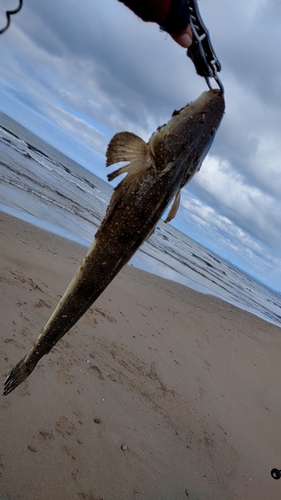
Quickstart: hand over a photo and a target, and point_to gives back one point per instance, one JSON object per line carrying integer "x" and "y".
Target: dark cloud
{"x": 94, "y": 68}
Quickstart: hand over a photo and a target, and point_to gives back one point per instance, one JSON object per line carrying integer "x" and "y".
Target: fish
{"x": 155, "y": 173}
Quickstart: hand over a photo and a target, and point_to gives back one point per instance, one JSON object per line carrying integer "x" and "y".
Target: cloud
{"x": 220, "y": 233}
{"x": 93, "y": 69}
{"x": 240, "y": 201}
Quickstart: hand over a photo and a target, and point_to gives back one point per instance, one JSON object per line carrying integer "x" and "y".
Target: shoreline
{"x": 185, "y": 381}
{"x": 189, "y": 283}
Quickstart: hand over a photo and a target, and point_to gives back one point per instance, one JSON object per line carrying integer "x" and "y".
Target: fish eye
{"x": 213, "y": 131}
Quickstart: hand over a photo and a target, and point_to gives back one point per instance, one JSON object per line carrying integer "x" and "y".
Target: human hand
{"x": 183, "y": 39}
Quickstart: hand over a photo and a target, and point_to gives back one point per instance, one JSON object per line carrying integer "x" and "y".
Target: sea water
{"x": 46, "y": 188}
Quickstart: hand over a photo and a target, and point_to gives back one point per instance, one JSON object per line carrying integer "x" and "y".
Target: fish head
{"x": 188, "y": 136}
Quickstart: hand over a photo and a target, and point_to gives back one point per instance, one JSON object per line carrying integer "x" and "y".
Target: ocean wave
{"x": 48, "y": 188}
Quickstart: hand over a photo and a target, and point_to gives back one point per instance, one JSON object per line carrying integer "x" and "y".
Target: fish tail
{"x": 18, "y": 374}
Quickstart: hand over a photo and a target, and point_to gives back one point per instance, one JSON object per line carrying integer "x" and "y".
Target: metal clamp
{"x": 201, "y": 51}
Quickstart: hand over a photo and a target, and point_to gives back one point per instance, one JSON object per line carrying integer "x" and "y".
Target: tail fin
{"x": 18, "y": 374}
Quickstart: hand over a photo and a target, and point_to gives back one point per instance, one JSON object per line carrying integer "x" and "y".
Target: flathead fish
{"x": 155, "y": 173}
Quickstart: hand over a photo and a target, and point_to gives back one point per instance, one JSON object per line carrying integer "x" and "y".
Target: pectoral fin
{"x": 126, "y": 146}
{"x": 174, "y": 207}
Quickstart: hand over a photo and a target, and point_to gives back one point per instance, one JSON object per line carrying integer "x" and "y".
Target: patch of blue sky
{"x": 219, "y": 244}
{"x": 101, "y": 128}
{"x": 15, "y": 105}
{"x": 47, "y": 130}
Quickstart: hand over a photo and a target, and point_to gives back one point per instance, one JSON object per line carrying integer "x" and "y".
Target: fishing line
{"x": 9, "y": 13}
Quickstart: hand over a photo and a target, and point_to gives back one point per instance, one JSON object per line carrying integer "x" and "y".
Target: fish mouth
{"x": 206, "y": 102}
{"x": 202, "y": 100}
{"x": 198, "y": 119}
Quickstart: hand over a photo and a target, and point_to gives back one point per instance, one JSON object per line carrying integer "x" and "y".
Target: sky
{"x": 76, "y": 73}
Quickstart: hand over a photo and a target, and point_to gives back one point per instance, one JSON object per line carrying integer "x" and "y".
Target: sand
{"x": 187, "y": 384}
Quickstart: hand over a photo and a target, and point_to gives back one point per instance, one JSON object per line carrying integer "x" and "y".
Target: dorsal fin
{"x": 126, "y": 146}
{"x": 174, "y": 207}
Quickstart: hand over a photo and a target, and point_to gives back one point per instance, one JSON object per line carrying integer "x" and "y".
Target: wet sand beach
{"x": 158, "y": 392}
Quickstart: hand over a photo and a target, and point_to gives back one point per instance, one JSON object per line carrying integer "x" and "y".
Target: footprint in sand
{"x": 45, "y": 435}
{"x": 43, "y": 439}
{"x": 42, "y": 303}
{"x": 106, "y": 315}
{"x": 32, "y": 448}
{"x": 65, "y": 427}
{"x": 96, "y": 371}
{"x": 17, "y": 344}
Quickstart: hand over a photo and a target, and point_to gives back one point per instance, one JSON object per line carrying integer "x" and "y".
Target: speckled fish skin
{"x": 155, "y": 174}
